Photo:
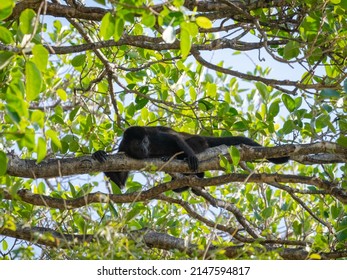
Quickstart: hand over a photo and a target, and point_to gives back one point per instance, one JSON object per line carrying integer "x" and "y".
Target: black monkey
{"x": 163, "y": 142}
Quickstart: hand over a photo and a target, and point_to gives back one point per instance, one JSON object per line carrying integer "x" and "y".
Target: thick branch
{"x": 59, "y": 10}
{"x": 209, "y": 160}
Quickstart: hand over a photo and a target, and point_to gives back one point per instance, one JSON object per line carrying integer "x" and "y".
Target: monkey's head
{"x": 136, "y": 142}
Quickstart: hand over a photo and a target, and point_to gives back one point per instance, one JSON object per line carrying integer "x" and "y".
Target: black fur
{"x": 163, "y": 142}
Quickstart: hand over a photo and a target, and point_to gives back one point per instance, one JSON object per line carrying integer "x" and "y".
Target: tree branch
{"x": 153, "y": 239}
{"x": 209, "y": 160}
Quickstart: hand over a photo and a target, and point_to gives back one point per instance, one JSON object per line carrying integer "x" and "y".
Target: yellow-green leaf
{"x": 107, "y": 26}
{"x": 185, "y": 43}
{"x": 26, "y": 21}
{"x": 315, "y": 257}
{"x": 6, "y": 7}
{"x": 203, "y": 22}
{"x": 62, "y": 94}
{"x": 235, "y": 155}
{"x": 5, "y": 35}
{"x": 53, "y": 135}
{"x": 40, "y": 57}
{"x": 33, "y": 81}
{"x": 41, "y": 150}
{"x": 119, "y": 28}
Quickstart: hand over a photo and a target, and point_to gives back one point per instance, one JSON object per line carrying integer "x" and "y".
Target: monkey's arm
{"x": 182, "y": 145}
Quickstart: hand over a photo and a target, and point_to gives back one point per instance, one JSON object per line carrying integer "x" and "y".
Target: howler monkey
{"x": 142, "y": 142}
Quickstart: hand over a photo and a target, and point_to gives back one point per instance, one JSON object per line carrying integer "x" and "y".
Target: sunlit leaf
{"x": 53, "y": 135}
{"x": 235, "y": 155}
{"x": 41, "y": 150}
{"x": 40, "y": 57}
{"x": 5, "y": 35}
{"x": 149, "y": 20}
{"x": 289, "y": 102}
{"x": 107, "y": 26}
{"x": 33, "y": 81}
{"x": 204, "y": 22}
{"x": 27, "y": 21}
{"x": 119, "y": 29}
{"x": 6, "y": 8}
{"x": 185, "y": 41}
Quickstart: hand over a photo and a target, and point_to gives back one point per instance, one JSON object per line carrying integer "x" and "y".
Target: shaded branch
{"x": 270, "y": 82}
{"x": 46, "y": 236}
{"x": 153, "y": 239}
{"x": 98, "y": 197}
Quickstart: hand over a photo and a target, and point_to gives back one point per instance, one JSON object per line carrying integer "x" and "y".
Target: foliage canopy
{"x": 73, "y": 76}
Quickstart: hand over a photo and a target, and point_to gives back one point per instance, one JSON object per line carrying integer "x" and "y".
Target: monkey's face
{"x": 139, "y": 148}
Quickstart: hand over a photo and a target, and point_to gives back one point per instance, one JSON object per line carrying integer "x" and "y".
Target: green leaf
{"x": 3, "y": 163}
{"x": 136, "y": 210}
{"x": 5, "y": 58}
{"x": 79, "y": 222}
{"x": 6, "y": 8}
{"x": 267, "y": 212}
{"x": 107, "y": 26}
{"x": 205, "y": 105}
{"x": 40, "y": 57}
{"x": 149, "y": 20}
{"x": 342, "y": 140}
{"x": 41, "y": 188}
{"x": 274, "y": 108}
{"x": 329, "y": 93}
{"x": 73, "y": 113}
{"x": 298, "y": 102}
{"x": 288, "y": 127}
{"x": 185, "y": 42}
{"x": 235, "y": 155}
{"x": 62, "y": 94}
{"x": 38, "y": 117}
{"x": 72, "y": 190}
{"x": 85, "y": 189}
{"x": 41, "y": 150}
{"x": 341, "y": 235}
{"x": 53, "y": 135}
{"x": 289, "y": 102}
{"x": 345, "y": 84}
{"x": 335, "y": 211}
{"x": 291, "y": 50}
{"x": 224, "y": 163}
{"x": 119, "y": 28}
{"x": 33, "y": 81}
{"x": 263, "y": 90}
{"x": 204, "y": 22}
{"x": 4, "y": 245}
{"x": 12, "y": 114}
{"x": 78, "y": 60}
{"x": 26, "y": 21}
{"x": 5, "y": 35}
